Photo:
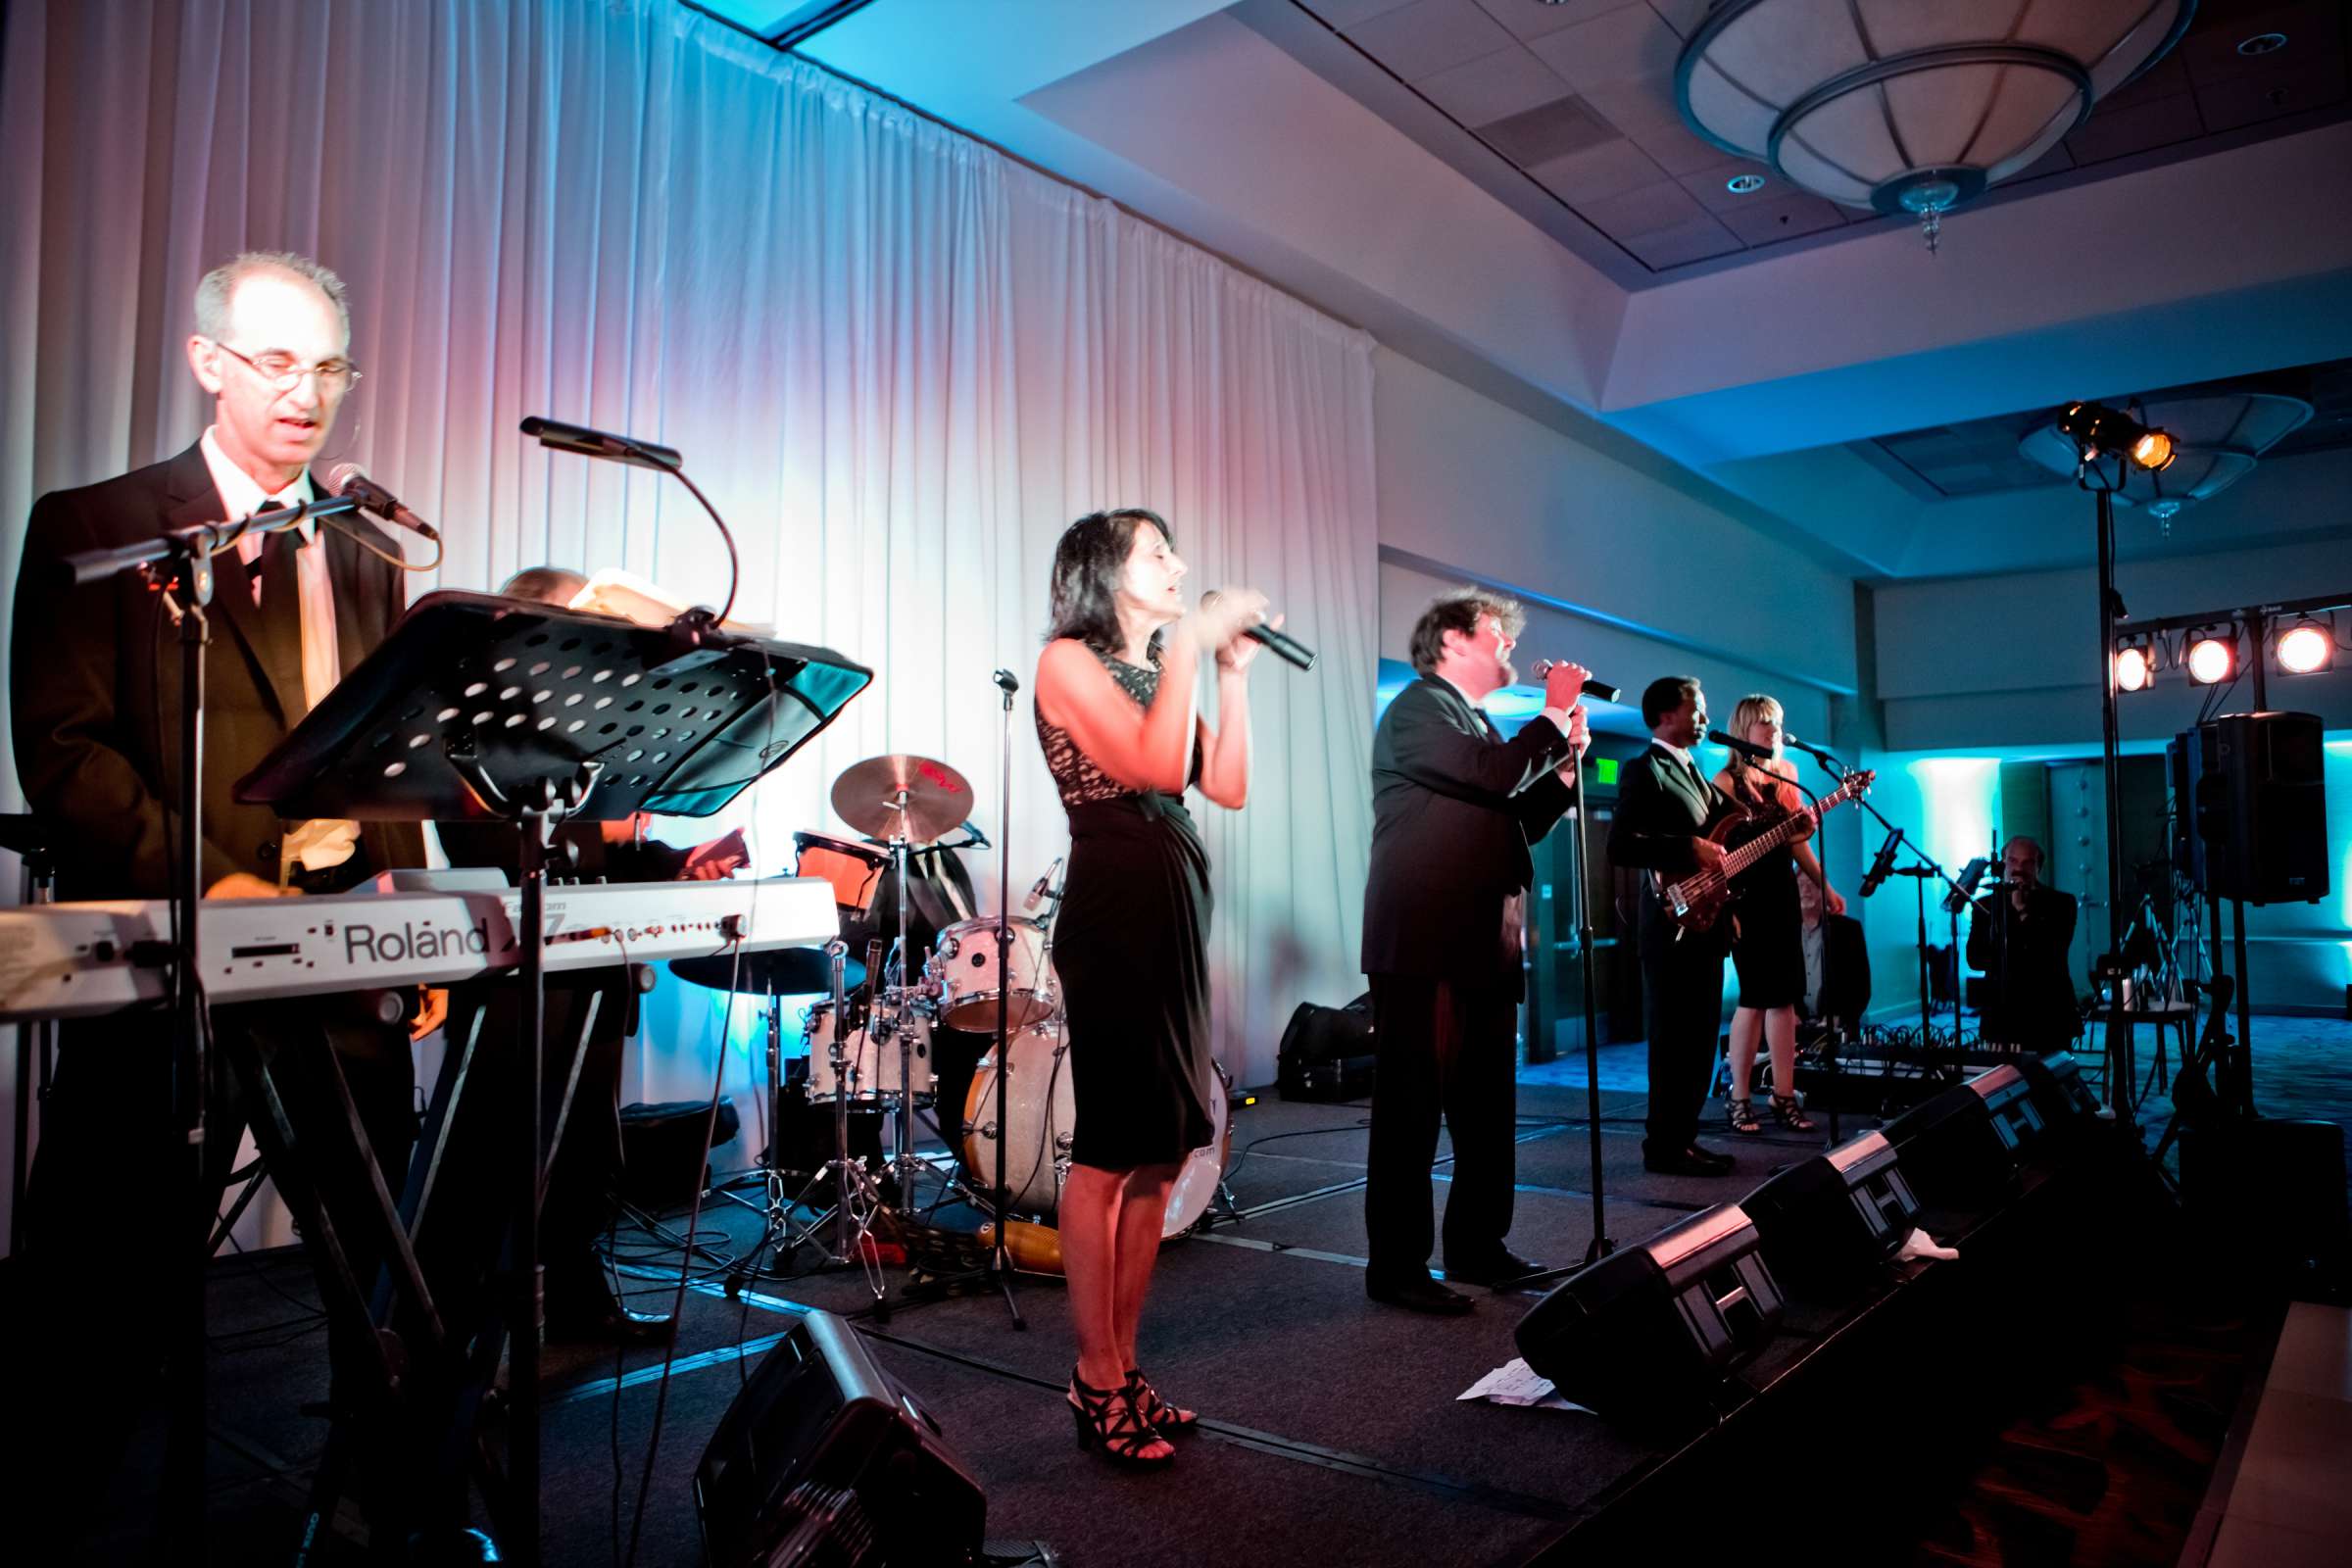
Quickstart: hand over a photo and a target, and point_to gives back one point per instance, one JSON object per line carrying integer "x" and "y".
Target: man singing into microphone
{"x": 1454, "y": 810}
{"x": 2020, "y": 936}
{"x": 96, "y": 724}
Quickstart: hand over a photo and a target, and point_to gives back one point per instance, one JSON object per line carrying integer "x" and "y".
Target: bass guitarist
{"x": 1665, "y": 808}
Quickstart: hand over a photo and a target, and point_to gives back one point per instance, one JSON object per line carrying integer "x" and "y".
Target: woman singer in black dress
{"x": 1769, "y": 950}
{"x": 1115, "y": 714}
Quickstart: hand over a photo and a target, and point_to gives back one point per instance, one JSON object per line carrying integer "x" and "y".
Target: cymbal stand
{"x": 855, "y": 1198}
{"x": 775, "y": 1209}
{"x": 905, "y": 997}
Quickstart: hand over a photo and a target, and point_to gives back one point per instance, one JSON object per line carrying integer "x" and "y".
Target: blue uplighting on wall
{"x": 1960, "y": 801}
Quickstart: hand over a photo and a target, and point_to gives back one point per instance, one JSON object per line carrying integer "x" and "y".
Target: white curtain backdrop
{"x": 899, "y": 362}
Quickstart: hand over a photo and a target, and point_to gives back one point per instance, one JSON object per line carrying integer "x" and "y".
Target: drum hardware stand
{"x": 857, "y": 1200}
{"x": 775, "y": 1209}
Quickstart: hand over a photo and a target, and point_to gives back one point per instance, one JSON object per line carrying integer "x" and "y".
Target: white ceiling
{"x": 1746, "y": 384}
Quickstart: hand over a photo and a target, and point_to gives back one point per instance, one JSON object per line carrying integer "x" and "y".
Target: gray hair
{"x": 219, "y": 287}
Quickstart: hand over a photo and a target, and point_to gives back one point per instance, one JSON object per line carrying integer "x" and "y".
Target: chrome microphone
{"x": 1038, "y": 892}
{"x": 1600, "y": 690}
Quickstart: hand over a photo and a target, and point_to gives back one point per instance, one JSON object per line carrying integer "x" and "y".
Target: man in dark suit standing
{"x": 1665, "y": 806}
{"x": 96, "y": 722}
{"x": 1836, "y": 965}
{"x": 1454, "y": 809}
{"x": 2020, "y": 937}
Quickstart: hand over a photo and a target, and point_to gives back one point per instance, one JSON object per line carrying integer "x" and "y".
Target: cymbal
{"x": 772, "y": 972}
{"x": 868, "y": 796}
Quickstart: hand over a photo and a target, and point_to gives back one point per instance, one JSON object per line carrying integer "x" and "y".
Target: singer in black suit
{"x": 1665, "y": 808}
{"x": 1454, "y": 809}
{"x": 94, "y": 692}
{"x": 2020, "y": 937}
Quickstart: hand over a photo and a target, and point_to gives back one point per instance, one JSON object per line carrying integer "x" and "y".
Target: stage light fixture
{"x": 2135, "y": 670}
{"x": 2097, "y": 429}
{"x": 2308, "y": 647}
{"x": 2212, "y": 655}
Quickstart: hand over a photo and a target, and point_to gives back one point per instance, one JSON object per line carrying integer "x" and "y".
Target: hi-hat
{"x": 770, "y": 972}
{"x": 900, "y": 796}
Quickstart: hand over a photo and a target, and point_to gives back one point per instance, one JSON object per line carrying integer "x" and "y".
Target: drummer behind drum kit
{"x": 870, "y": 1045}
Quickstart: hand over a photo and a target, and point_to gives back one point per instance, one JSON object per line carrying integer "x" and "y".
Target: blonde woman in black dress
{"x": 1117, "y": 715}
{"x": 1768, "y": 952}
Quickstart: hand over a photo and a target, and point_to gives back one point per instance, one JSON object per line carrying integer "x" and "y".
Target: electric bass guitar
{"x": 1698, "y": 901}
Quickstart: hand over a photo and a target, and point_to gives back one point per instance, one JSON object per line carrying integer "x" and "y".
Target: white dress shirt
{"x": 316, "y": 845}
{"x": 242, "y": 497}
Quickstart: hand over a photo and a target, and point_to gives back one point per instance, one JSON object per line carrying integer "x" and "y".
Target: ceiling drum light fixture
{"x": 1906, "y": 107}
{"x": 2308, "y": 647}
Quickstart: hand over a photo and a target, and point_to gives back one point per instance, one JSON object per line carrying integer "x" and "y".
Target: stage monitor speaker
{"x": 1647, "y": 1336}
{"x": 2258, "y": 797}
{"x": 822, "y": 1460}
{"x": 1964, "y": 1148}
{"x": 2067, "y": 1104}
{"x": 1828, "y": 1222}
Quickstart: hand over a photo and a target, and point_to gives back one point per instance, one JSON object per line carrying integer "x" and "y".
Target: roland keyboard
{"x": 64, "y": 961}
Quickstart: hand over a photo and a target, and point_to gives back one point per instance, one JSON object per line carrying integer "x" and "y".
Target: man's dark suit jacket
{"x": 1661, "y": 807}
{"x": 94, "y": 687}
{"x": 1454, "y": 810}
{"x": 2037, "y": 1004}
{"x": 1846, "y": 977}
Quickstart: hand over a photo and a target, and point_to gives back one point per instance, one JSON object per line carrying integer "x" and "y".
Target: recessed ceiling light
{"x": 2262, "y": 43}
{"x": 1743, "y": 184}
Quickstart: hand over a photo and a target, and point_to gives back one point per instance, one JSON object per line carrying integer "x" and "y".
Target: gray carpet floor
{"x": 1335, "y": 1434}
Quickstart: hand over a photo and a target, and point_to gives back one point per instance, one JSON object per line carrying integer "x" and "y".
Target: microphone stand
{"x": 1821, "y": 883}
{"x": 181, "y": 559}
{"x": 1600, "y": 1245}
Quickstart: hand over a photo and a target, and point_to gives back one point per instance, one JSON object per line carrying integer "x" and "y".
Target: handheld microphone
{"x": 1747, "y": 749}
{"x": 1005, "y": 682}
{"x": 1883, "y": 866}
{"x": 597, "y": 443}
{"x": 348, "y": 478}
{"x": 1810, "y": 749}
{"x": 1599, "y": 690}
{"x": 1039, "y": 891}
{"x": 1283, "y": 646}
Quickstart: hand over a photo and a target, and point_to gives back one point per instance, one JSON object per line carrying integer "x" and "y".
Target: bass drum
{"x": 1040, "y": 1112}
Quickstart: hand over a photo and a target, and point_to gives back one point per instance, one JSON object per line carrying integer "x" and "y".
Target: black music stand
{"x": 477, "y": 707}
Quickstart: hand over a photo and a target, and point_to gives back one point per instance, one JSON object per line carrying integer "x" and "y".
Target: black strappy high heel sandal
{"x": 1106, "y": 1419}
{"x": 1790, "y": 1114}
{"x": 1168, "y": 1418}
{"x": 1739, "y": 1116}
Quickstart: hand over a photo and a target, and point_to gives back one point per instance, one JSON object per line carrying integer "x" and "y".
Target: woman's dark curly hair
{"x": 1087, "y": 565}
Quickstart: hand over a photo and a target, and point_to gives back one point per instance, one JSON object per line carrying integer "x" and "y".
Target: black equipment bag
{"x": 1327, "y": 1051}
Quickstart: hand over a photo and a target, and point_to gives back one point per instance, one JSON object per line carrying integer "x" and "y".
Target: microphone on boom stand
{"x": 1883, "y": 866}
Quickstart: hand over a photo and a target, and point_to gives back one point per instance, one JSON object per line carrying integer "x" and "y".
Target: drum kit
{"x": 870, "y": 1041}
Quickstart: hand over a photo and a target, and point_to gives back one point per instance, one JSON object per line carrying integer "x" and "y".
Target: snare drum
{"x": 965, "y": 965}
{"x": 871, "y": 1061}
{"x": 1040, "y": 1112}
{"x": 854, "y": 869}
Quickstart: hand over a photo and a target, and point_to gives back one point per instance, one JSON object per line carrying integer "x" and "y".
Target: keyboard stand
{"x": 478, "y": 707}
